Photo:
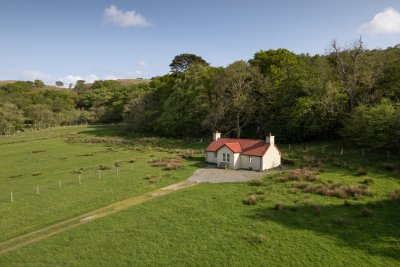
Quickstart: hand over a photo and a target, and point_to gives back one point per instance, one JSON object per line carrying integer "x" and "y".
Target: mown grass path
{"x": 65, "y": 225}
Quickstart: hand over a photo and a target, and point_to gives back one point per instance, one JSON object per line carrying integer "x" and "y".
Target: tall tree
{"x": 59, "y": 83}
{"x": 183, "y": 61}
{"x": 235, "y": 105}
{"x": 353, "y": 69}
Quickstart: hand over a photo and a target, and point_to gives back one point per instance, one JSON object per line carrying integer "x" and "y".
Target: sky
{"x": 69, "y": 40}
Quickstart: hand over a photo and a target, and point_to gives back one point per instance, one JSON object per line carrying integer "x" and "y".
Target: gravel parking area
{"x": 212, "y": 174}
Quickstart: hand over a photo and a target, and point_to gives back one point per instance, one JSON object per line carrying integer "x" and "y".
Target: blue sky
{"x": 100, "y": 39}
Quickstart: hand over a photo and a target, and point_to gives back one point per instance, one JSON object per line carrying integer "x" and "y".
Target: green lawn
{"x": 209, "y": 224}
{"x": 45, "y": 158}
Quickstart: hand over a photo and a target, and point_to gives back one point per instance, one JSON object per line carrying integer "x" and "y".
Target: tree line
{"x": 350, "y": 92}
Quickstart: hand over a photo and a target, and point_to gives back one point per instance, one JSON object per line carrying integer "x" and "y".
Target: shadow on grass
{"x": 150, "y": 140}
{"x": 373, "y": 227}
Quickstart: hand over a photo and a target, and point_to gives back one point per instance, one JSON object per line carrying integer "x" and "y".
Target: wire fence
{"x": 123, "y": 168}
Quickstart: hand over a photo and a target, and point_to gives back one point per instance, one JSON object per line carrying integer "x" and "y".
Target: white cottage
{"x": 251, "y": 154}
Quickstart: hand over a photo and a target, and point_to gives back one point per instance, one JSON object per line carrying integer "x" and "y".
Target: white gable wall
{"x": 271, "y": 159}
{"x": 235, "y": 162}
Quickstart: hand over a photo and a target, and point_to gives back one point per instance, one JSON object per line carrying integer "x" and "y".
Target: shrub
{"x": 256, "y": 182}
{"x": 395, "y": 195}
{"x": 389, "y": 166}
{"x": 361, "y": 172}
{"x": 335, "y": 190}
{"x": 36, "y": 174}
{"x": 251, "y": 200}
{"x": 312, "y": 161}
{"x": 279, "y": 206}
{"x": 317, "y": 210}
{"x": 367, "y": 181}
{"x": 304, "y": 174}
{"x": 286, "y": 161}
{"x": 365, "y": 212}
{"x": 168, "y": 164}
{"x": 80, "y": 170}
{"x": 340, "y": 221}
{"x": 104, "y": 168}
{"x": 258, "y": 238}
{"x": 152, "y": 178}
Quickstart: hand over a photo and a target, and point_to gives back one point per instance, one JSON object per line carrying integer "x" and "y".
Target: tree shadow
{"x": 142, "y": 139}
{"x": 372, "y": 227}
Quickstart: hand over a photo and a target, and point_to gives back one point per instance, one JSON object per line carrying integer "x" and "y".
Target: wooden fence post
{"x": 37, "y": 190}
{"x": 341, "y": 152}
{"x": 12, "y": 198}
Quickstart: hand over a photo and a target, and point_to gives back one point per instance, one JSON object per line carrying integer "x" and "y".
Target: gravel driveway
{"x": 211, "y": 174}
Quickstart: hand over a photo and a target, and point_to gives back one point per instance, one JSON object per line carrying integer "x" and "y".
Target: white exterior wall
{"x": 254, "y": 165}
{"x": 235, "y": 162}
{"x": 210, "y": 157}
{"x": 271, "y": 159}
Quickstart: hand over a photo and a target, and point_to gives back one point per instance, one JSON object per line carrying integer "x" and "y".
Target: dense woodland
{"x": 351, "y": 93}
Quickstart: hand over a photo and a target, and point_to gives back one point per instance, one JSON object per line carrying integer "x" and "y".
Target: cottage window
{"x": 250, "y": 159}
{"x": 226, "y": 157}
{"x": 215, "y": 155}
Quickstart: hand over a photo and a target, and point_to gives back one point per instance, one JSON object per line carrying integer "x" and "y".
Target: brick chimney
{"x": 216, "y": 136}
{"x": 270, "y": 139}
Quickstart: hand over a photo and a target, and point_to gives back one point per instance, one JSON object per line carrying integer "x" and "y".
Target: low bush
{"x": 286, "y": 161}
{"x": 395, "y": 195}
{"x": 361, "y": 172}
{"x": 256, "y": 182}
{"x": 312, "y": 161}
{"x": 340, "y": 221}
{"x": 152, "y": 178}
{"x": 365, "y": 212}
{"x": 367, "y": 181}
{"x": 104, "y": 168}
{"x": 279, "y": 206}
{"x": 303, "y": 174}
{"x": 257, "y": 238}
{"x": 335, "y": 190}
{"x": 317, "y": 211}
{"x": 36, "y": 174}
{"x": 167, "y": 164}
{"x": 251, "y": 200}
{"x": 390, "y": 166}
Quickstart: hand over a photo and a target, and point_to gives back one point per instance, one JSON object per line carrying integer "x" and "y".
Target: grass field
{"x": 327, "y": 210}
{"x": 47, "y": 158}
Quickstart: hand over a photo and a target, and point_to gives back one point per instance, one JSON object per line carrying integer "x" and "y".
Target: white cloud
{"x": 387, "y": 21}
{"x": 72, "y": 79}
{"x": 122, "y": 18}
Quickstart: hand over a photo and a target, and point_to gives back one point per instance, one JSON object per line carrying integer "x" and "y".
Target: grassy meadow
{"x": 324, "y": 209}
{"x": 48, "y": 158}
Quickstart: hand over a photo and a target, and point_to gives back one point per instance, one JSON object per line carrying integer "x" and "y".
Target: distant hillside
{"x": 133, "y": 81}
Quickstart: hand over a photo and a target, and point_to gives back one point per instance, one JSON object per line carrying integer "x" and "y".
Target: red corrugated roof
{"x": 251, "y": 147}
{"x": 235, "y": 147}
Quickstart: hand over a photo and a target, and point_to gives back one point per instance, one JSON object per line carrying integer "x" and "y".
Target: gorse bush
{"x": 335, "y": 190}
{"x": 304, "y": 174}
{"x": 395, "y": 195}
